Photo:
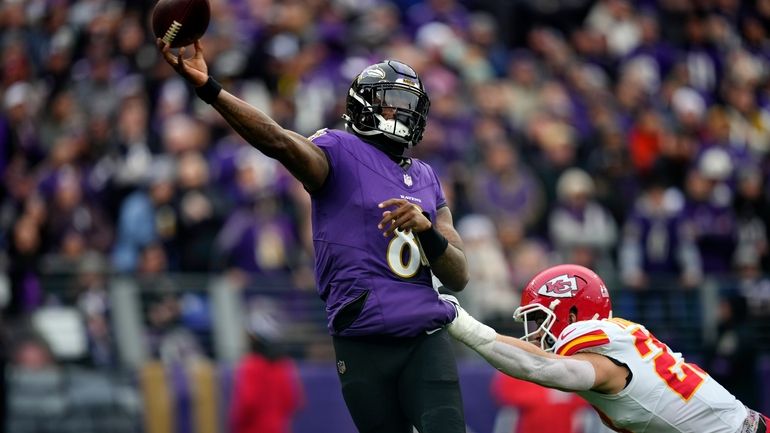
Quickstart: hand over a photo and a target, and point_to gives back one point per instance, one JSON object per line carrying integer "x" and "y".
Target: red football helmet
{"x": 552, "y": 294}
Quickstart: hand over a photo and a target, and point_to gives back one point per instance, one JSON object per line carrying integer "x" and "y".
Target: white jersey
{"x": 665, "y": 394}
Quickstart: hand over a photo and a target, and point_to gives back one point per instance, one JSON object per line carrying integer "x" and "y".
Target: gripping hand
{"x": 467, "y": 329}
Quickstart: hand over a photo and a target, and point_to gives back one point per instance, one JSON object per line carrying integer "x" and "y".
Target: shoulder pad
{"x": 580, "y": 336}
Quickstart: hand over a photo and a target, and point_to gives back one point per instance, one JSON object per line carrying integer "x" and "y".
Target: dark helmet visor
{"x": 397, "y": 98}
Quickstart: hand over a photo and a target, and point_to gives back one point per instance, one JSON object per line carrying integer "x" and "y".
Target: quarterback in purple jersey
{"x": 381, "y": 226}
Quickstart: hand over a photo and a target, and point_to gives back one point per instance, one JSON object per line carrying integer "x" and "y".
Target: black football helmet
{"x": 387, "y": 104}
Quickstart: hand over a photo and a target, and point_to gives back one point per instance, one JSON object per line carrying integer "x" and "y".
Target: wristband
{"x": 433, "y": 243}
{"x": 209, "y": 91}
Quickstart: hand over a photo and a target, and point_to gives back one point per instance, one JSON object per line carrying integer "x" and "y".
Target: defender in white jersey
{"x": 636, "y": 383}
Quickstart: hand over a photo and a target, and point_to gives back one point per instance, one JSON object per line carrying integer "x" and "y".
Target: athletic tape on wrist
{"x": 470, "y": 331}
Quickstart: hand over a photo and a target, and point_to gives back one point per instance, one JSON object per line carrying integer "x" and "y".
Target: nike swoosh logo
{"x": 564, "y": 335}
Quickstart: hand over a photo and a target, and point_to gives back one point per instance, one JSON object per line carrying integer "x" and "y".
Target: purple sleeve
{"x": 440, "y": 198}
{"x": 330, "y": 143}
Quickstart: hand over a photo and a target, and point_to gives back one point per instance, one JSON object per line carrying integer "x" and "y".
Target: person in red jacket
{"x": 539, "y": 409}
{"x": 267, "y": 391}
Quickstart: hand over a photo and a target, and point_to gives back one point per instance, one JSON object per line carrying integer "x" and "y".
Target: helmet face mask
{"x": 553, "y": 295}
{"x": 387, "y": 102}
{"x": 538, "y": 321}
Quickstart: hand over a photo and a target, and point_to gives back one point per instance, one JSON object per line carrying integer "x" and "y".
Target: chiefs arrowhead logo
{"x": 562, "y": 286}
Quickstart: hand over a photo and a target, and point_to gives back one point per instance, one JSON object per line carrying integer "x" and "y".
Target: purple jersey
{"x": 353, "y": 259}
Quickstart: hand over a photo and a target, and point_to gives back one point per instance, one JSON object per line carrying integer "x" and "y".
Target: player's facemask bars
{"x": 538, "y": 321}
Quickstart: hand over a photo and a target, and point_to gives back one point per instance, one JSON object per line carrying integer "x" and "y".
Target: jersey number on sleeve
{"x": 683, "y": 378}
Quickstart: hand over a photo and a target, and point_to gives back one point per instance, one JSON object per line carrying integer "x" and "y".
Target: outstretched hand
{"x": 467, "y": 329}
{"x": 193, "y": 69}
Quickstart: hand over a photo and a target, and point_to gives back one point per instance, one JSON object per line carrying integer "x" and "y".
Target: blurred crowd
{"x": 628, "y": 136}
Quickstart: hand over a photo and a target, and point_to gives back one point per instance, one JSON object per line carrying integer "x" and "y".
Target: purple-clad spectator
{"x": 74, "y": 219}
{"x": 259, "y": 237}
{"x": 653, "y": 57}
{"x": 709, "y": 210}
{"x": 450, "y": 135}
{"x": 241, "y": 174}
{"x": 630, "y": 97}
{"x": 581, "y": 230}
{"x": 259, "y": 240}
{"x": 591, "y": 47}
{"x": 717, "y": 135}
{"x": 657, "y": 255}
{"x": 506, "y": 189}
{"x": 557, "y": 103}
{"x": 700, "y": 57}
{"x": 317, "y": 92}
{"x": 658, "y": 240}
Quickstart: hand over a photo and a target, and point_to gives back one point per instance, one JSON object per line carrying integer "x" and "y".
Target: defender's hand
{"x": 451, "y": 300}
{"x": 406, "y": 216}
{"x": 194, "y": 69}
{"x": 467, "y": 329}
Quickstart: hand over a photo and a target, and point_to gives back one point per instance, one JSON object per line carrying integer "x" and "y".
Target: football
{"x": 180, "y": 22}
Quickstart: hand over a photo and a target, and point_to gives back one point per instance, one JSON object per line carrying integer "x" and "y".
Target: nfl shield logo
{"x": 407, "y": 179}
{"x": 341, "y": 368}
